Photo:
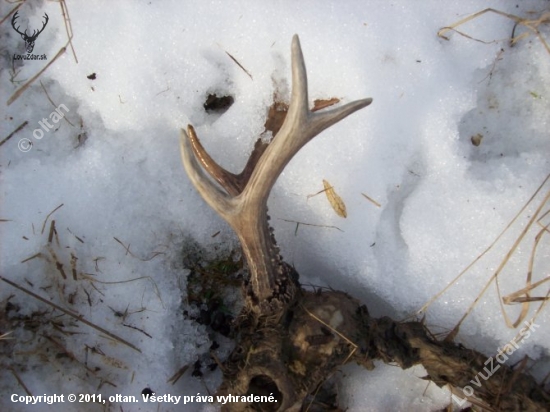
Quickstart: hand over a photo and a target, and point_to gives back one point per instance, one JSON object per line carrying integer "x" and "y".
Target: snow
{"x": 443, "y": 200}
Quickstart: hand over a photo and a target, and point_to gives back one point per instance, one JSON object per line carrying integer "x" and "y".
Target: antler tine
{"x": 232, "y": 183}
{"x": 300, "y": 126}
{"x": 218, "y": 200}
{"x": 229, "y": 181}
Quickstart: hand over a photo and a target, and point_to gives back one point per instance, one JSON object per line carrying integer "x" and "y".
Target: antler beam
{"x": 243, "y": 202}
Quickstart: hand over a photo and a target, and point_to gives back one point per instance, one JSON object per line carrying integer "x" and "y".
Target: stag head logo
{"x": 29, "y": 40}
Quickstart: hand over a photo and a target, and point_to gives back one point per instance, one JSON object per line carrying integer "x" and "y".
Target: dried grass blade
{"x": 47, "y": 217}
{"x": 175, "y": 377}
{"x": 8, "y": 137}
{"x": 20, "y": 381}
{"x": 239, "y": 64}
{"x": 20, "y": 91}
{"x": 370, "y": 199}
{"x": 71, "y": 314}
{"x": 515, "y": 297}
{"x": 454, "y": 332}
{"x": 473, "y": 16}
{"x": 525, "y": 305}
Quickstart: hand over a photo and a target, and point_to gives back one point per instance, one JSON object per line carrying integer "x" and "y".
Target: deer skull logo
{"x": 29, "y": 40}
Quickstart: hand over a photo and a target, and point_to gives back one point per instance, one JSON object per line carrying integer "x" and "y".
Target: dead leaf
{"x": 322, "y": 103}
{"x": 275, "y": 117}
{"x": 335, "y": 201}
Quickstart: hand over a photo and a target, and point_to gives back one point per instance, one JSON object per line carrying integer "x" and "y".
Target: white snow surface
{"x": 442, "y": 200}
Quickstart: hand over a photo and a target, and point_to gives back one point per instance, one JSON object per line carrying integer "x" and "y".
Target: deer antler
{"x": 244, "y": 203}
{"x": 291, "y": 340}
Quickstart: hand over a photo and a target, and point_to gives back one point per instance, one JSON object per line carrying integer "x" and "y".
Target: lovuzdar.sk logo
{"x": 29, "y": 38}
